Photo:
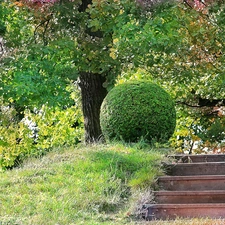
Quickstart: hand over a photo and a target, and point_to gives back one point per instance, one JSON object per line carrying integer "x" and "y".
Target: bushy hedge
{"x": 37, "y": 133}
{"x": 138, "y": 109}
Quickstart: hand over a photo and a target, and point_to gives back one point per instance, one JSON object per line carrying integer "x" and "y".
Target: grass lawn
{"x": 102, "y": 184}
{"x": 83, "y": 185}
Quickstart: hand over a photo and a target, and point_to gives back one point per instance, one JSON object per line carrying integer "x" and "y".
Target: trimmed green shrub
{"x": 138, "y": 109}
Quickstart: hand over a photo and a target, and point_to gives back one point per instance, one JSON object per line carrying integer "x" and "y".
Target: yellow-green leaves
{"x": 37, "y": 133}
{"x": 57, "y": 127}
{"x": 15, "y": 142}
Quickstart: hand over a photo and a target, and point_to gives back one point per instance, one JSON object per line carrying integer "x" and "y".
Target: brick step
{"x": 187, "y": 169}
{"x": 199, "y": 158}
{"x": 192, "y": 183}
{"x": 172, "y": 211}
{"x": 189, "y": 197}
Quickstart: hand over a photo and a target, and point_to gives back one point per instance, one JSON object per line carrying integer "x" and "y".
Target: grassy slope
{"x": 95, "y": 185}
{"x": 92, "y": 185}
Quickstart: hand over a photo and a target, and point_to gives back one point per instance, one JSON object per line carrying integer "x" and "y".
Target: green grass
{"x": 102, "y": 184}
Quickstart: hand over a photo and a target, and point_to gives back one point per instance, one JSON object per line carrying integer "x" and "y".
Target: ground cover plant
{"x": 86, "y": 185}
{"x": 102, "y": 184}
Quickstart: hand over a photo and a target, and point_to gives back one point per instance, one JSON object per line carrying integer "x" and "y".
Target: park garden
{"x": 95, "y": 94}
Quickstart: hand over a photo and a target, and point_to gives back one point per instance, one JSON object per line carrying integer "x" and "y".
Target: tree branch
{"x": 44, "y": 23}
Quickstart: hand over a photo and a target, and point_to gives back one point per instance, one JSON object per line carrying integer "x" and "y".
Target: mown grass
{"x": 101, "y": 184}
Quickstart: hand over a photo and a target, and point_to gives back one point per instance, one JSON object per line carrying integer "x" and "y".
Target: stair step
{"x": 192, "y": 183}
{"x": 187, "y": 169}
{"x": 199, "y": 158}
{"x": 172, "y": 211}
{"x": 185, "y": 197}
{"x": 194, "y": 188}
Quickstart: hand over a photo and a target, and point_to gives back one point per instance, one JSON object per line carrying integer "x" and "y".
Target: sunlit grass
{"x": 88, "y": 185}
{"x": 101, "y": 184}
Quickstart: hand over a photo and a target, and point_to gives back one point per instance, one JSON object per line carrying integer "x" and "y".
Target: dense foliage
{"x": 136, "y": 110}
{"x": 182, "y": 49}
{"x": 36, "y": 133}
{"x": 40, "y": 106}
{"x": 48, "y": 48}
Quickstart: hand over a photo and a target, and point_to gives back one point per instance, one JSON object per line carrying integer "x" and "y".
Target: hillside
{"x": 102, "y": 184}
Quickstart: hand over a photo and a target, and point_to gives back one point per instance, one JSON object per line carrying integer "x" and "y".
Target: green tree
{"x": 86, "y": 32}
{"x": 181, "y": 47}
{"x": 94, "y": 23}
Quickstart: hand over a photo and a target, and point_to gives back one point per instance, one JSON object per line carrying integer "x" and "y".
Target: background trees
{"x": 182, "y": 48}
{"x": 94, "y": 44}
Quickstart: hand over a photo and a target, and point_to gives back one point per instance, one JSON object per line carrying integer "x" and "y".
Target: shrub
{"x": 138, "y": 109}
{"x": 57, "y": 127}
{"x": 37, "y": 133}
{"x": 15, "y": 141}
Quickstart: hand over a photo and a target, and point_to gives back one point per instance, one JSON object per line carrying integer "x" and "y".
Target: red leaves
{"x": 38, "y": 3}
{"x": 43, "y": 1}
{"x": 198, "y": 5}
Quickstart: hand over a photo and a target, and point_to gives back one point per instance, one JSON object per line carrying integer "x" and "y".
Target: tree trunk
{"x": 92, "y": 93}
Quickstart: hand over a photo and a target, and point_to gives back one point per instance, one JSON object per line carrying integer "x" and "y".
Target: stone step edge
{"x": 197, "y": 155}
{"x": 189, "y": 193}
{"x": 192, "y": 177}
{"x": 178, "y": 156}
{"x": 188, "y": 206}
{"x": 157, "y": 211}
{"x": 186, "y": 158}
{"x": 194, "y": 164}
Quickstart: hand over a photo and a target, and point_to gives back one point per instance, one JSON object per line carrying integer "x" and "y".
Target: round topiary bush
{"x": 138, "y": 109}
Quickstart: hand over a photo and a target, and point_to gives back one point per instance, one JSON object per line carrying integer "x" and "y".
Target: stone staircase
{"x": 193, "y": 187}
